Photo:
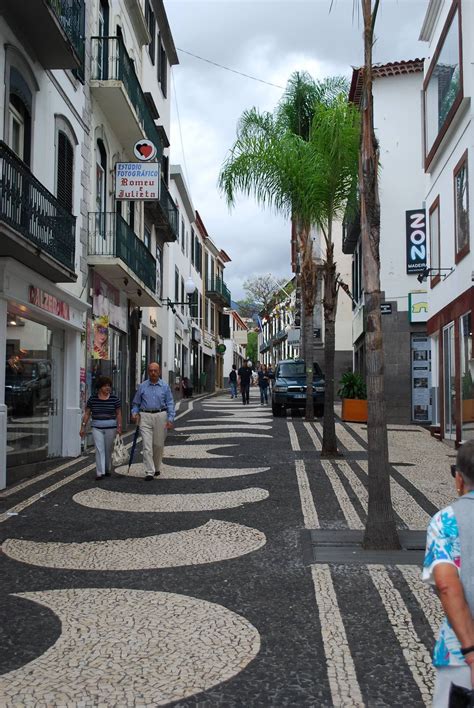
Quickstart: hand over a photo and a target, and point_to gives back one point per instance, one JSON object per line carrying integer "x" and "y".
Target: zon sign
{"x": 416, "y": 240}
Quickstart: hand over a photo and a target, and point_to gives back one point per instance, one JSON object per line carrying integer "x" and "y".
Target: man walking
{"x": 233, "y": 382}
{"x": 153, "y": 409}
{"x": 449, "y": 565}
{"x": 245, "y": 377}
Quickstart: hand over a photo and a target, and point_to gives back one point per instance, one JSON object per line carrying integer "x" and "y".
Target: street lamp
{"x": 189, "y": 289}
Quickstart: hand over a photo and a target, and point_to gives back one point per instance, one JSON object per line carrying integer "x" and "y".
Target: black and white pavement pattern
{"x": 192, "y": 590}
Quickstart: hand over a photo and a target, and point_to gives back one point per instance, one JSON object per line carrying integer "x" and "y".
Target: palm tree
{"x": 380, "y": 530}
{"x": 285, "y": 159}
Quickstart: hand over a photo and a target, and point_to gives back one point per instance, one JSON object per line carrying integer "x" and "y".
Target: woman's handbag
{"x": 460, "y": 697}
{"x": 119, "y": 453}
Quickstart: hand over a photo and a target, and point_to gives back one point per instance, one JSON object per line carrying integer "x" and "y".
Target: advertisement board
{"x": 416, "y": 240}
{"x": 139, "y": 181}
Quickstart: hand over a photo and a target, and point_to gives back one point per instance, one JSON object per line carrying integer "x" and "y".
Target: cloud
{"x": 268, "y": 39}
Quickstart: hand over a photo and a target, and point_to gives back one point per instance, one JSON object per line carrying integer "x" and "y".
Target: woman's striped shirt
{"x": 104, "y": 411}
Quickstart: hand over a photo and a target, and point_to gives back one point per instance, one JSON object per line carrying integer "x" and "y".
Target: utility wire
{"x": 234, "y": 71}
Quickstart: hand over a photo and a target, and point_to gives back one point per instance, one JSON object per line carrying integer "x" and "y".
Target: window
{"x": 442, "y": 88}
{"x": 461, "y": 208}
{"x": 16, "y": 131}
{"x": 150, "y": 21}
{"x": 65, "y": 171}
{"x": 182, "y": 294}
{"x": 176, "y": 285}
{"x": 182, "y": 234}
{"x": 435, "y": 242}
{"x": 163, "y": 69}
{"x": 467, "y": 381}
{"x": 159, "y": 271}
{"x": 147, "y": 237}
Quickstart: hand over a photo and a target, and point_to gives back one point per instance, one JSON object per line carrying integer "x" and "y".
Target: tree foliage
{"x": 261, "y": 291}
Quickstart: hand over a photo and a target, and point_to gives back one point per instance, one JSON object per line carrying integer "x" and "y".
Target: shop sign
{"x": 416, "y": 240}
{"x": 421, "y": 379}
{"x": 207, "y": 343}
{"x": 138, "y": 181}
{"x": 144, "y": 150}
{"x": 195, "y": 334}
{"x": 48, "y": 302}
{"x": 386, "y": 308}
{"x": 418, "y": 307}
{"x": 294, "y": 336}
{"x": 221, "y": 348}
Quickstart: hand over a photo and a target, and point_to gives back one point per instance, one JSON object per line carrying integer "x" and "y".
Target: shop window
{"x": 467, "y": 377}
{"x": 435, "y": 242}
{"x": 461, "y": 208}
{"x": 442, "y": 88}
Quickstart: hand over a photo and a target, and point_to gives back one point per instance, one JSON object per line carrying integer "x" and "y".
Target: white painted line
{"x": 426, "y": 596}
{"x": 295, "y": 446}
{"x": 414, "y": 651}
{"x": 345, "y": 689}
{"x": 312, "y": 434}
{"x": 351, "y": 515}
{"x": 308, "y": 508}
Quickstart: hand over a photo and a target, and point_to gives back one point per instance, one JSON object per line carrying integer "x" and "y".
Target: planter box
{"x": 354, "y": 410}
{"x": 468, "y": 410}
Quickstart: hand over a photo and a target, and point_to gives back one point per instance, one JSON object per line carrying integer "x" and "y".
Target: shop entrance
{"x": 33, "y": 391}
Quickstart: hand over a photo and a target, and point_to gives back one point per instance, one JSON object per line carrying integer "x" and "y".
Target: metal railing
{"x": 29, "y": 208}
{"x": 217, "y": 285}
{"x": 70, "y": 14}
{"x": 169, "y": 208}
{"x": 110, "y": 235}
{"x": 110, "y": 62}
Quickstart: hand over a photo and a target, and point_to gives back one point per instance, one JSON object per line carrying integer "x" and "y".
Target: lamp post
{"x": 189, "y": 289}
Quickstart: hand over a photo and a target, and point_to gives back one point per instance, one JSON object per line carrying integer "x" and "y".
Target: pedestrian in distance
{"x": 271, "y": 376}
{"x": 233, "y": 381}
{"x": 449, "y": 565}
{"x": 106, "y": 412}
{"x": 187, "y": 387}
{"x": 263, "y": 383}
{"x": 153, "y": 410}
{"x": 244, "y": 380}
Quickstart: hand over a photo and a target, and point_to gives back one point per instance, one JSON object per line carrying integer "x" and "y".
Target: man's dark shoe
{"x": 149, "y": 477}
{"x": 157, "y": 473}
{"x": 108, "y": 474}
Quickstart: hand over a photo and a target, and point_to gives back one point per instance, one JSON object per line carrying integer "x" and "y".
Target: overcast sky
{"x": 268, "y": 39}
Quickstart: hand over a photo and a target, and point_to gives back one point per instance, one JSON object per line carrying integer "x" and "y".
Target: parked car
{"x": 27, "y": 384}
{"x": 289, "y": 389}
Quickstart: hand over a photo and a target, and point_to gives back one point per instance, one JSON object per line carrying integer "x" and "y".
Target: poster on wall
{"x": 100, "y": 345}
{"x": 421, "y": 378}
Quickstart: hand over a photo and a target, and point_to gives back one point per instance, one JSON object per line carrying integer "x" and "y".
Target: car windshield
{"x": 297, "y": 368}
{"x": 20, "y": 370}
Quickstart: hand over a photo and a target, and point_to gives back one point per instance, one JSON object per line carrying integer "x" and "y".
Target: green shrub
{"x": 352, "y": 385}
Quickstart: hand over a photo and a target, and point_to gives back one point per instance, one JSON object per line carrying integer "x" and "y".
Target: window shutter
{"x": 65, "y": 171}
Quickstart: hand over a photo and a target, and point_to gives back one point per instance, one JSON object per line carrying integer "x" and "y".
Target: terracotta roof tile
{"x": 395, "y": 68}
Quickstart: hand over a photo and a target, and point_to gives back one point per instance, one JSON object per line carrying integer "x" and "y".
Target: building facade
{"x": 447, "y": 148}
{"x": 402, "y": 243}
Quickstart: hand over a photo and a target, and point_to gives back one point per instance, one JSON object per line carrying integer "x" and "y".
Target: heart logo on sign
{"x": 145, "y": 150}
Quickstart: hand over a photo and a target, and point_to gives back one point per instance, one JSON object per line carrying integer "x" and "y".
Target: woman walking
{"x": 106, "y": 413}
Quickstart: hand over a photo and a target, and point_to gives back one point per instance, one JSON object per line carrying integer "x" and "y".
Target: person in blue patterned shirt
{"x": 449, "y": 566}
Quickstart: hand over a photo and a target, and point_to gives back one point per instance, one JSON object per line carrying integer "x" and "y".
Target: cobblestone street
{"x": 202, "y": 588}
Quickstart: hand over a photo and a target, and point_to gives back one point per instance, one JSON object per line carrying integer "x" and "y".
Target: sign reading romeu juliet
{"x": 48, "y": 302}
{"x": 137, "y": 180}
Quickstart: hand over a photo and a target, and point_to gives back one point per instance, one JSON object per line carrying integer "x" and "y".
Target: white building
{"x": 44, "y": 124}
{"x": 402, "y": 242}
{"x": 235, "y": 344}
{"x": 448, "y": 146}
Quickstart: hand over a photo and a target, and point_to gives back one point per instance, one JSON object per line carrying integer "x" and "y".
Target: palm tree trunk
{"x": 329, "y": 447}
{"x": 380, "y": 530}
{"x": 308, "y": 295}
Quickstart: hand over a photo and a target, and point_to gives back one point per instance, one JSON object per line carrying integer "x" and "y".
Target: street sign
{"x": 386, "y": 308}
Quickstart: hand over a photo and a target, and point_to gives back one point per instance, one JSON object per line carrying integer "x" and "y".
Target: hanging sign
{"x": 144, "y": 150}
{"x": 137, "y": 181}
{"x": 418, "y": 307}
{"x": 416, "y": 240}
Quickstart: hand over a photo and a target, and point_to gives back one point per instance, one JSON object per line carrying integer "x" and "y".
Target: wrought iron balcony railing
{"x": 28, "y": 208}
{"x": 110, "y": 235}
{"x": 70, "y": 14}
{"x": 216, "y": 286}
{"x": 110, "y": 62}
{"x": 169, "y": 208}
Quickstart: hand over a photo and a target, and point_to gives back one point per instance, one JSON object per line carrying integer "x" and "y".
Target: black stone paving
{"x": 272, "y": 587}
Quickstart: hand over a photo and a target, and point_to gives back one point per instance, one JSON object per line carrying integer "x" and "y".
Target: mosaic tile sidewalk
{"x": 193, "y": 590}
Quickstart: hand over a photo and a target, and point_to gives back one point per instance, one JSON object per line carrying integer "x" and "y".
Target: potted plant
{"x": 354, "y": 398}
{"x": 467, "y": 398}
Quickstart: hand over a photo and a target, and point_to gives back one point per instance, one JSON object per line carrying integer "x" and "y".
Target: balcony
{"x": 53, "y": 28}
{"x": 116, "y": 88}
{"x": 34, "y": 228}
{"x": 280, "y": 336}
{"x": 264, "y": 347}
{"x": 122, "y": 258}
{"x": 164, "y": 214}
{"x": 218, "y": 292}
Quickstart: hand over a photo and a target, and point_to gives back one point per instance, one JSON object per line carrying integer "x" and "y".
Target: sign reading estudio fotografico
{"x": 137, "y": 180}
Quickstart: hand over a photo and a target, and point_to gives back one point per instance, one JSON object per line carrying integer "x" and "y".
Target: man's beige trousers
{"x": 153, "y": 432}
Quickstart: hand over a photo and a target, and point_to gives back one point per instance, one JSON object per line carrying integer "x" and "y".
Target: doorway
{"x": 449, "y": 382}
